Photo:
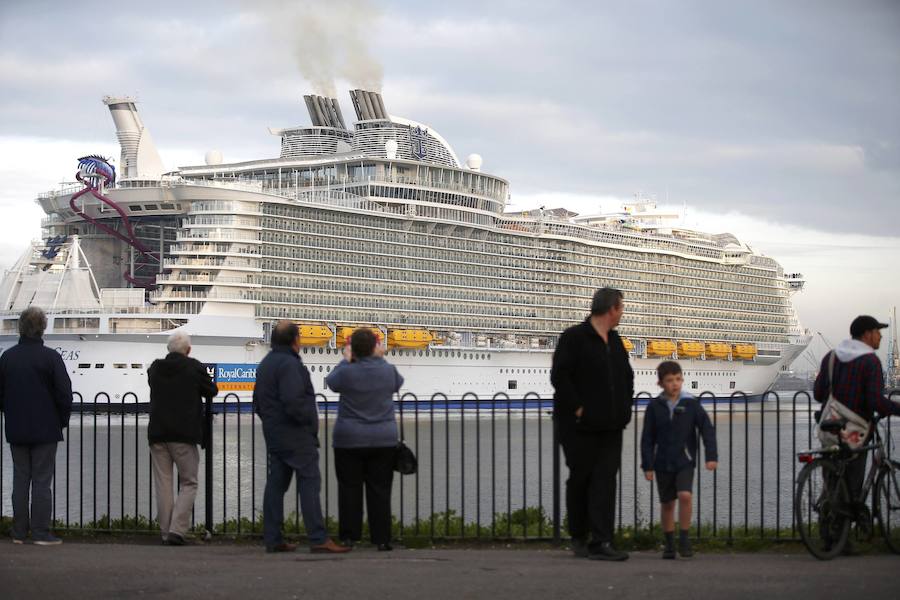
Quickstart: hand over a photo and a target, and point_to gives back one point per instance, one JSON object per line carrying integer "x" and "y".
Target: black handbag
{"x": 405, "y": 461}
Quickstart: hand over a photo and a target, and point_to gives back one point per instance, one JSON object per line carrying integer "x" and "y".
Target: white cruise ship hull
{"x": 111, "y": 369}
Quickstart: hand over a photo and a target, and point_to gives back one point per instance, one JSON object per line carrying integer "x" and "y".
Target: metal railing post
{"x": 557, "y": 536}
{"x": 208, "y": 469}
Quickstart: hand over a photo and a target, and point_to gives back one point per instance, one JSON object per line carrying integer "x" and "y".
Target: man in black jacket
{"x": 178, "y": 385}
{"x": 592, "y": 404}
{"x": 285, "y": 401}
{"x": 36, "y": 395}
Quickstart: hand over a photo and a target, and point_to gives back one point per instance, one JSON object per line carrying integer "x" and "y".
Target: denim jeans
{"x": 281, "y": 467}
{"x": 32, "y": 476}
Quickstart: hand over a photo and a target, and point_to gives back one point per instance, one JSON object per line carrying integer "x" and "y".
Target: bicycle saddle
{"x": 832, "y": 425}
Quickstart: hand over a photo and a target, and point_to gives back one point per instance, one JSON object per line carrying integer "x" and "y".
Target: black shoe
{"x": 669, "y": 553}
{"x": 385, "y": 547}
{"x": 175, "y": 539}
{"x": 579, "y": 548}
{"x": 606, "y": 552}
{"x": 684, "y": 549}
{"x": 347, "y": 543}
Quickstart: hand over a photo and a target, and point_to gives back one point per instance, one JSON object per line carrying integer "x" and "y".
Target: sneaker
{"x": 579, "y": 548}
{"x": 49, "y": 540}
{"x": 18, "y": 541}
{"x": 282, "y": 547}
{"x": 606, "y": 552}
{"x": 328, "y": 547}
{"x": 175, "y": 539}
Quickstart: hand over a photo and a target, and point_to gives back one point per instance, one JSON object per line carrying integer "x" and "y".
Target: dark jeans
{"x": 855, "y": 475}
{"x": 373, "y": 467}
{"x": 32, "y": 475}
{"x": 593, "y": 460}
{"x": 281, "y": 467}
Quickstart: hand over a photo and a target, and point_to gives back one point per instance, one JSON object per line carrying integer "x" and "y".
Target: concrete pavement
{"x": 118, "y": 570}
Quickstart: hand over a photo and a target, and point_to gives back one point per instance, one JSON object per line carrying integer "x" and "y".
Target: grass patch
{"x": 524, "y": 528}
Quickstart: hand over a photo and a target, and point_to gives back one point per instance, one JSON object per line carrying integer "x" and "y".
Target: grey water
{"x": 477, "y": 466}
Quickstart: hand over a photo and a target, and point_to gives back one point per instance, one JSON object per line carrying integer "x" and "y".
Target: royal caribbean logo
{"x": 233, "y": 377}
{"x": 417, "y": 141}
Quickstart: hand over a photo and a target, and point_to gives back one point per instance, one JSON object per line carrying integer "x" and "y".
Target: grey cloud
{"x": 784, "y": 110}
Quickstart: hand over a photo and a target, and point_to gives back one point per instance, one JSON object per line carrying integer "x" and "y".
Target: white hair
{"x": 179, "y": 342}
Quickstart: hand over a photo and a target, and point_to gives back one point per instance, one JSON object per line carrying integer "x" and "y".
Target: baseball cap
{"x": 864, "y": 323}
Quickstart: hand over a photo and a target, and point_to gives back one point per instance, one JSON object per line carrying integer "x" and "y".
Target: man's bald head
{"x": 285, "y": 333}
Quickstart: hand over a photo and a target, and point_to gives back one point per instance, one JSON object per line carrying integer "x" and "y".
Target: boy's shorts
{"x": 669, "y": 483}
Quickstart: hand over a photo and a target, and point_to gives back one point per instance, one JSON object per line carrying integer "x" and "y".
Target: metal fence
{"x": 489, "y": 468}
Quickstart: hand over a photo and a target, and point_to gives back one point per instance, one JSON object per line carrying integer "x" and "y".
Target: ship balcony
{"x": 202, "y": 263}
{"x": 206, "y": 249}
{"x": 196, "y": 278}
{"x": 216, "y": 235}
{"x": 224, "y": 222}
{"x": 52, "y": 220}
{"x": 217, "y": 295}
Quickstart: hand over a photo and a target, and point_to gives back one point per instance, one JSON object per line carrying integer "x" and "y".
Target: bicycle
{"x": 822, "y": 504}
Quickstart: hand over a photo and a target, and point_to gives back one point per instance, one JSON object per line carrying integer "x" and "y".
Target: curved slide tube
{"x": 129, "y": 239}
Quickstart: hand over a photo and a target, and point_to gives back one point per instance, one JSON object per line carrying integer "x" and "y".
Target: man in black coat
{"x": 285, "y": 401}
{"x": 36, "y": 395}
{"x": 592, "y": 404}
{"x": 178, "y": 385}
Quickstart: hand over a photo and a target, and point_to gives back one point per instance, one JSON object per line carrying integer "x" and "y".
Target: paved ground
{"x": 98, "y": 570}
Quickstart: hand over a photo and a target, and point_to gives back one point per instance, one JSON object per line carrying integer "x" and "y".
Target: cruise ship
{"x": 377, "y": 225}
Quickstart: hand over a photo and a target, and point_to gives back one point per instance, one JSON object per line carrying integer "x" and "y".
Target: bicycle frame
{"x": 841, "y": 454}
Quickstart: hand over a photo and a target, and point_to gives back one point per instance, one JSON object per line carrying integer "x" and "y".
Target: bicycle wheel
{"x": 820, "y": 507}
{"x": 887, "y": 503}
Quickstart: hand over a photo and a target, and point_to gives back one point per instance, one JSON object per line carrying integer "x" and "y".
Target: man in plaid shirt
{"x": 858, "y": 383}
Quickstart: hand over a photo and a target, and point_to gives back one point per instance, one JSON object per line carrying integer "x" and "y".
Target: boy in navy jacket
{"x": 669, "y": 451}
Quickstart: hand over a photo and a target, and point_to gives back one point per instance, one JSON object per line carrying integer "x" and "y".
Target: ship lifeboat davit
{"x": 690, "y": 349}
{"x": 342, "y": 335}
{"x": 744, "y": 351}
{"x": 715, "y": 350}
{"x": 660, "y": 348}
{"x": 314, "y": 335}
{"x": 629, "y": 345}
{"x": 409, "y": 338}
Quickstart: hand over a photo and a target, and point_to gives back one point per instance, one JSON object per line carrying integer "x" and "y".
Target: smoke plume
{"x": 329, "y": 40}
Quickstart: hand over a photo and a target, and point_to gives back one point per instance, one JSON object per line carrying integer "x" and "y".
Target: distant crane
{"x": 824, "y": 339}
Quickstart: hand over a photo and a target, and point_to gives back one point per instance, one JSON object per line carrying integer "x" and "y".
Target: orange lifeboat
{"x": 409, "y": 338}
{"x": 663, "y": 348}
{"x": 744, "y": 351}
{"x": 690, "y": 349}
{"x": 314, "y": 335}
{"x": 342, "y": 334}
{"x": 717, "y": 350}
{"x": 629, "y": 345}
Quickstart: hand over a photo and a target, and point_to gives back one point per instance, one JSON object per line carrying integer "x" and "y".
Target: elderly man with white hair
{"x": 178, "y": 385}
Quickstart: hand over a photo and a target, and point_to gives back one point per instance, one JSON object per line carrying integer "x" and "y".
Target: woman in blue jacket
{"x": 365, "y": 437}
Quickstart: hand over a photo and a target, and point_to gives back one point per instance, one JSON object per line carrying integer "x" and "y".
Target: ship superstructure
{"x": 382, "y": 226}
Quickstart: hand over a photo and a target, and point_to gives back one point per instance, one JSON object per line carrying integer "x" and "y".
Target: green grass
{"x": 530, "y": 527}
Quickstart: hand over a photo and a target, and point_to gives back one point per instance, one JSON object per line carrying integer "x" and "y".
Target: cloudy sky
{"x": 775, "y": 120}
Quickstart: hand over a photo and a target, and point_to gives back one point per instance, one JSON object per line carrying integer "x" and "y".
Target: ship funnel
{"x": 324, "y": 112}
{"x": 368, "y": 105}
{"x": 139, "y": 160}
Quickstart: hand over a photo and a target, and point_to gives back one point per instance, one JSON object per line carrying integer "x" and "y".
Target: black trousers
{"x": 593, "y": 460}
{"x": 374, "y": 468}
{"x": 855, "y": 475}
